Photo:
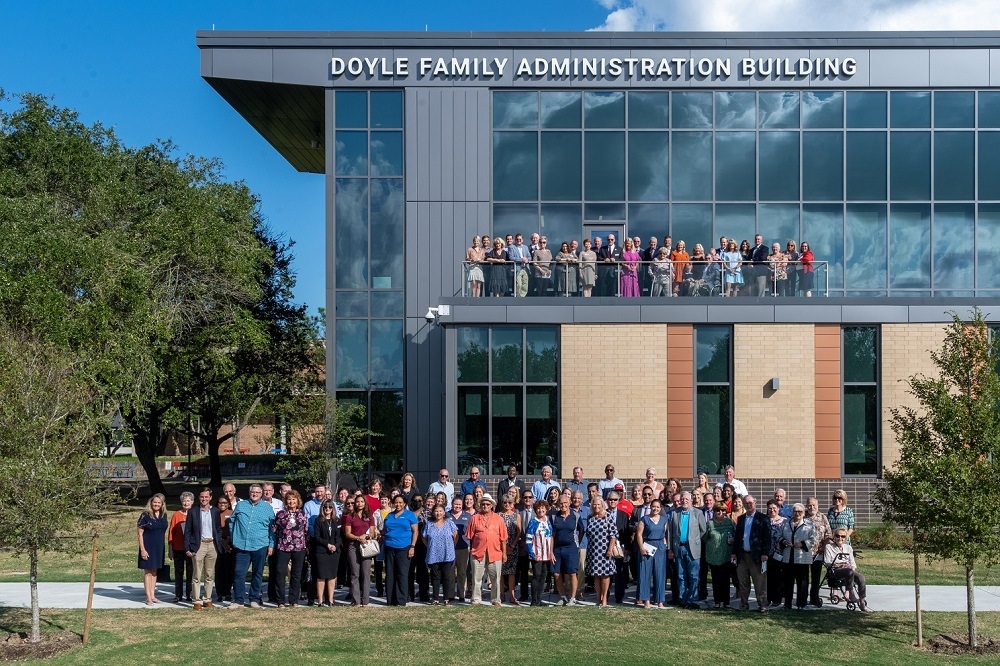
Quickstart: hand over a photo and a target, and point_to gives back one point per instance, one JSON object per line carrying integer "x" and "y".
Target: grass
{"x": 895, "y": 567}
{"x": 454, "y": 636}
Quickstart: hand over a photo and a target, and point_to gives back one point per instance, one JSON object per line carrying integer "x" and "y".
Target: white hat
{"x": 487, "y": 498}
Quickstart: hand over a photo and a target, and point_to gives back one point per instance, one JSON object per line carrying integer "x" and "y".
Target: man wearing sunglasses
{"x": 443, "y": 485}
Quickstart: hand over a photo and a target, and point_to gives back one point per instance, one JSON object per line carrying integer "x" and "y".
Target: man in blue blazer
{"x": 203, "y": 543}
{"x": 687, "y": 527}
{"x": 751, "y": 544}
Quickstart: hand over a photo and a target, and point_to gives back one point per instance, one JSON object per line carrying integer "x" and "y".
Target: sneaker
{"x": 564, "y": 601}
{"x": 254, "y": 604}
{"x": 573, "y": 602}
{"x": 234, "y": 606}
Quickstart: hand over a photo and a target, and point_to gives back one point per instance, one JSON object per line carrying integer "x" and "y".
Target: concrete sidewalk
{"x": 131, "y": 595}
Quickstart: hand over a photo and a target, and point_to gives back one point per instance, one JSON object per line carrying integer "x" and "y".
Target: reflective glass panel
{"x": 351, "y": 238}
{"x": 735, "y": 166}
{"x": 387, "y": 353}
{"x": 648, "y": 109}
{"x": 352, "y": 353}
{"x": 561, "y": 109}
{"x": 387, "y": 304}
{"x": 737, "y": 221}
{"x": 351, "y": 108}
{"x": 562, "y": 166}
{"x": 648, "y": 166}
{"x": 473, "y": 427}
{"x": 694, "y": 151}
{"x": 604, "y": 211}
{"x": 867, "y": 172}
{"x": 691, "y": 110}
{"x": 860, "y": 353}
{"x": 713, "y": 435}
{"x": 954, "y": 165}
{"x": 387, "y": 218}
{"x": 865, "y": 249}
{"x": 472, "y": 348}
{"x": 988, "y": 246}
{"x": 823, "y": 229}
{"x": 778, "y": 223}
{"x": 861, "y": 424}
{"x": 954, "y": 238}
{"x": 541, "y": 422}
{"x": 779, "y": 166}
{"x": 645, "y": 220}
{"x": 910, "y": 108}
{"x": 387, "y": 420}
{"x": 989, "y": 108}
{"x": 508, "y": 428}
{"x": 604, "y": 109}
{"x": 515, "y": 166}
{"x": 911, "y": 166}
{"x": 989, "y": 165}
{"x": 561, "y": 223}
{"x": 352, "y": 304}
{"x": 387, "y": 153}
{"x": 691, "y": 223}
{"x": 954, "y": 108}
{"x": 822, "y": 109}
{"x": 778, "y": 110}
{"x": 604, "y": 178}
{"x": 822, "y": 166}
{"x": 910, "y": 246}
{"x": 712, "y": 361}
{"x": 735, "y": 110}
{"x": 387, "y": 108}
{"x": 507, "y": 359}
{"x": 352, "y": 153}
{"x": 514, "y": 219}
{"x": 866, "y": 109}
{"x": 542, "y": 354}
{"x": 515, "y": 110}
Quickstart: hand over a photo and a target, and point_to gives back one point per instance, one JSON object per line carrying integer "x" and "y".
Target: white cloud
{"x": 799, "y": 15}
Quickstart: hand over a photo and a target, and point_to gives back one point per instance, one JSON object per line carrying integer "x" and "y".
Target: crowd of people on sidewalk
{"x": 455, "y": 542}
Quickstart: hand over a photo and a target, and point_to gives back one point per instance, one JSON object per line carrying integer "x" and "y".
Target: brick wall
{"x": 774, "y": 431}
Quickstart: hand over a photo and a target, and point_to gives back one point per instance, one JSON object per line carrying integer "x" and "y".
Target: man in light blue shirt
{"x": 252, "y": 530}
{"x": 578, "y": 483}
{"x": 520, "y": 255}
{"x": 540, "y": 488}
{"x": 443, "y": 485}
{"x": 311, "y": 507}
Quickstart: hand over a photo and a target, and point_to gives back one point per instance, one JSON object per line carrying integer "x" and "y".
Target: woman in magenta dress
{"x": 630, "y": 269}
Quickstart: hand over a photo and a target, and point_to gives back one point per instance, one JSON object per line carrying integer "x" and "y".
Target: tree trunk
{"x": 36, "y": 621}
{"x": 145, "y": 451}
{"x": 213, "y": 461}
{"x": 970, "y": 591}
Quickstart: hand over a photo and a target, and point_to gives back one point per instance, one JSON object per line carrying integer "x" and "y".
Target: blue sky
{"x": 134, "y": 66}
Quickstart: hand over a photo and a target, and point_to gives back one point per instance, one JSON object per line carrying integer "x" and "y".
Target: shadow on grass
{"x": 14, "y": 620}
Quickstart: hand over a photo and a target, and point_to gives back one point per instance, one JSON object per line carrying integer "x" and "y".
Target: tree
{"x": 49, "y": 427}
{"x": 950, "y": 455}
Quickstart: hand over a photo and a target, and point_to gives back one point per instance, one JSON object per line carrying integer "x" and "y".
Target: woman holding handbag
{"x": 358, "y": 531}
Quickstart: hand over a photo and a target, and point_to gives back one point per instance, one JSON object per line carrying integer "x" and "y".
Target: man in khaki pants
{"x": 487, "y": 534}
{"x": 203, "y": 543}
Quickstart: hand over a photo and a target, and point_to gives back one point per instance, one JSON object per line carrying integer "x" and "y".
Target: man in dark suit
{"x": 758, "y": 254}
{"x": 622, "y": 524}
{"x": 648, "y": 255}
{"x": 687, "y": 528}
{"x": 708, "y": 508}
{"x": 510, "y": 482}
{"x": 751, "y": 544}
{"x": 607, "y": 257}
{"x": 203, "y": 543}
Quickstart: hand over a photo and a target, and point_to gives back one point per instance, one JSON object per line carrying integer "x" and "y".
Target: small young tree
{"x": 49, "y": 428}
{"x": 943, "y": 485}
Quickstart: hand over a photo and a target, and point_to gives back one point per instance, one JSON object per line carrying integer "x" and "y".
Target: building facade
{"x": 880, "y": 150}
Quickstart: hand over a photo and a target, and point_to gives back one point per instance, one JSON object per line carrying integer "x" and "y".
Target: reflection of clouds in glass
{"x": 352, "y": 353}
{"x": 823, "y": 229}
{"x": 648, "y": 109}
{"x": 515, "y": 165}
{"x": 692, "y": 109}
{"x": 778, "y": 223}
{"x": 387, "y": 154}
{"x": 822, "y": 109}
{"x": 865, "y": 248}
{"x": 388, "y": 219}
{"x": 561, "y": 223}
{"x": 387, "y": 354}
{"x": 561, "y": 109}
{"x": 352, "y": 153}
{"x": 515, "y": 219}
{"x": 692, "y": 156}
{"x": 649, "y": 158}
{"x": 735, "y": 109}
{"x": 735, "y": 166}
{"x": 691, "y": 223}
{"x": 351, "y": 242}
{"x": 910, "y": 248}
{"x": 515, "y": 109}
{"x": 779, "y": 166}
{"x": 988, "y": 243}
{"x": 779, "y": 109}
{"x": 604, "y": 109}
{"x": 953, "y": 245}
{"x": 734, "y": 222}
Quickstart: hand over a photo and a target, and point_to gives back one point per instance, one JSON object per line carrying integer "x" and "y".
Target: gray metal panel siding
{"x": 248, "y": 64}
{"x": 331, "y": 225}
{"x": 900, "y": 67}
{"x": 960, "y": 67}
{"x": 860, "y": 78}
{"x": 412, "y": 296}
{"x": 206, "y": 62}
{"x": 995, "y": 67}
{"x": 864, "y": 313}
{"x": 424, "y": 396}
{"x": 307, "y": 67}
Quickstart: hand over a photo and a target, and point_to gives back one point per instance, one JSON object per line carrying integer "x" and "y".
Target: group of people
{"x": 446, "y": 545}
{"x": 509, "y": 267}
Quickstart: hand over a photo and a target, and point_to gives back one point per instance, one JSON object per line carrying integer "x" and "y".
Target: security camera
{"x": 431, "y": 316}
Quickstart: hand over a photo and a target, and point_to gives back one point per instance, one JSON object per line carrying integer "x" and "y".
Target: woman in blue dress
{"x": 651, "y": 531}
{"x": 152, "y": 530}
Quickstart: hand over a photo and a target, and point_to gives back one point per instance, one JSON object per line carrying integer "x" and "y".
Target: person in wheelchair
{"x": 842, "y": 569}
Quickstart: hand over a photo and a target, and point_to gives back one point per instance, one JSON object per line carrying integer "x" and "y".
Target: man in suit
{"x": 751, "y": 544}
{"x": 687, "y": 527}
{"x": 510, "y": 482}
{"x": 527, "y": 512}
{"x": 758, "y": 254}
{"x": 648, "y": 255}
{"x": 520, "y": 255}
{"x": 622, "y": 524}
{"x": 203, "y": 543}
{"x": 708, "y": 508}
{"x": 607, "y": 257}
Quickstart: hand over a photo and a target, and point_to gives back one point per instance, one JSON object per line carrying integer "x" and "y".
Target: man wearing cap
{"x": 487, "y": 535}
{"x": 608, "y": 483}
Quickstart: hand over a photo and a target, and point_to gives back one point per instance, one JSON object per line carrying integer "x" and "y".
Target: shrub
{"x": 882, "y": 536}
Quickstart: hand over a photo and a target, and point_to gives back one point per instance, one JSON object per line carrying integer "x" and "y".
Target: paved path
{"x": 131, "y": 595}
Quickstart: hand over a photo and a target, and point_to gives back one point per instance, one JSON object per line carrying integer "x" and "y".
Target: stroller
{"x": 840, "y": 580}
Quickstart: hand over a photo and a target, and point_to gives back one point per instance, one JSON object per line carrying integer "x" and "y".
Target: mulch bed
{"x": 959, "y": 644}
{"x": 16, "y": 646}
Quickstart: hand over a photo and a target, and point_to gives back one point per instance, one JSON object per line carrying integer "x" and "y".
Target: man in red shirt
{"x": 487, "y": 535}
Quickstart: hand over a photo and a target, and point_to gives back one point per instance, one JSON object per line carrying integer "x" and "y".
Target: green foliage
{"x": 882, "y": 536}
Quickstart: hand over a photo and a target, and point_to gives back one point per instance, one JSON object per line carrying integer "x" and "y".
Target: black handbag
{"x": 163, "y": 574}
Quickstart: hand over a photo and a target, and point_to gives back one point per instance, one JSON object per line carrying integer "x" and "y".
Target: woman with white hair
{"x": 797, "y": 540}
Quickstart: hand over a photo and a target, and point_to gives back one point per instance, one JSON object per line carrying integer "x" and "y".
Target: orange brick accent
{"x": 680, "y": 401}
{"x": 828, "y": 402}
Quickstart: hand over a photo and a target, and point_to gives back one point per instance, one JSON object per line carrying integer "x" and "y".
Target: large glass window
{"x": 988, "y": 246}
{"x": 713, "y": 398}
{"x": 508, "y": 397}
{"x": 693, "y": 182}
{"x": 649, "y": 110}
{"x": 867, "y": 171}
{"x": 954, "y": 166}
{"x": 822, "y": 166}
{"x": 562, "y": 157}
{"x": 648, "y": 166}
{"x": 954, "y": 239}
{"x": 515, "y": 166}
{"x": 865, "y": 247}
{"x": 910, "y": 246}
{"x": 861, "y": 422}
{"x": 604, "y": 175}
{"x": 735, "y": 166}
{"x": 779, "y": 166}
{"x": 911, "y": 166}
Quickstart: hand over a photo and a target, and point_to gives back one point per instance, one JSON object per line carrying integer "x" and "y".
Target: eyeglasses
{"x": 612, "y": 499}
{"x": 610, "y": 469}
{"x": 444, "y": 476}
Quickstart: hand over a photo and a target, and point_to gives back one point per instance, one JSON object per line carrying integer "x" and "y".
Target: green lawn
{"x": 455, "y": 636}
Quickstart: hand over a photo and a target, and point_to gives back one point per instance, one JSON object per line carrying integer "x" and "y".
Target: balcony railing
{"x": 649, "y": 279}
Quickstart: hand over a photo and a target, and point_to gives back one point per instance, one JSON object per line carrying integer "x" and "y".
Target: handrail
{"x": 645, "y": 279}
